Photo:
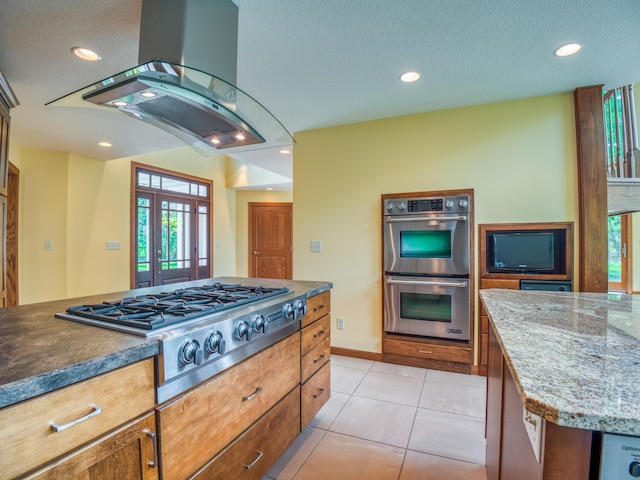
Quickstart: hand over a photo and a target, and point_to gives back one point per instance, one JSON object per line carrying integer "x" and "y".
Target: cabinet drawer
{"x": 195, "y": 427}
{"x": 317, "y": 307}
{"x": 426, "y": 350}
{"x": 112, "y": 398}
{"x": 316, "y": 333}
{"x": 255, "y": 452}
{"x": 316, "y": 358}
{"x": 315, "y": 393}
{"x": 128, "y": 452}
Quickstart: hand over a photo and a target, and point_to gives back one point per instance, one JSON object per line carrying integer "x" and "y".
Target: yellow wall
{"x": 519, "y": 156}
{"x": 243, "y": 198}
{"x": 80, "y": 203}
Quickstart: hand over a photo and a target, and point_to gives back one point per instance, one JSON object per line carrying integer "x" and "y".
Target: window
{"x": 172, "y": 227}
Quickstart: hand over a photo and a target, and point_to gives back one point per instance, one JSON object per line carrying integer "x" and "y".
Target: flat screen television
{"x": 526, "y": 251}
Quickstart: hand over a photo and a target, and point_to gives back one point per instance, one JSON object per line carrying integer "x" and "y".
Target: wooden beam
{"x": 592, "y": 190}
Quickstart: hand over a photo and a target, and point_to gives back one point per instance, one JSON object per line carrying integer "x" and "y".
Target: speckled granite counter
{"x": 40, "y": 353}
{"x": 574, "y": 357}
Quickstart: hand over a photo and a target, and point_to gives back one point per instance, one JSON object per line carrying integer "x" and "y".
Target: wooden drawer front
{"x": 315, "y": 393}
{"x": 317, "y": 307}
{"x": 127, "y": 452}
{"x": 28, "y": 436}
{"x": 315, "y": 334}
{"x": 507, "y": 283}
{"x": 317, "y": 357}
{"x": 425, "y": 350}
{"x": 260, "y": 446}
{"x": 200, "y": 424}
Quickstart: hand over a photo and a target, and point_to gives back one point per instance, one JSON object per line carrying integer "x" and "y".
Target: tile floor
{"x": 387, "y": 421}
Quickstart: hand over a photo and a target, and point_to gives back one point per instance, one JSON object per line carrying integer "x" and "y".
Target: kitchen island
{"x": 49, "y": 367}
{"x": 563, "y": 368}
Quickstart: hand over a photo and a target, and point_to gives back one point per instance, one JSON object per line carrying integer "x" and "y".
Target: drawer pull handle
{"x": 320, "y": 392}
{"x": 250, "y": 397}
{"x": 154, "y": 440}
{"x": 428, "y": 352}
{"x": 318, "y": 308}
{"x": 95, "y": 410}
{"x": 318, "y": 359}
{"x": 319, "y": 334}
{"x": 250, "y": 465}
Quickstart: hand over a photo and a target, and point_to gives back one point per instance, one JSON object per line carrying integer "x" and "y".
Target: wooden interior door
{"x": 270, "y": 240}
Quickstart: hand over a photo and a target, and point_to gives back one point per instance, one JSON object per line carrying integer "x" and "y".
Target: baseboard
{"x": 347, "y": 352}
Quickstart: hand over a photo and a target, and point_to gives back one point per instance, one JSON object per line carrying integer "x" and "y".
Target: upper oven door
{"x": 427, "y": 244}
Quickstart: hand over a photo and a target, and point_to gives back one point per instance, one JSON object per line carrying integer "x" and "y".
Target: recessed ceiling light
{"x": 148, "y": 94}
{"x": 269, "y": 188}
{"x": 85, "y": 54}
{"x": 285, "y": 151}
{"x": 409, "y": 77}
{"x": 105, "y": 144}
{"x": 568, "y": 49}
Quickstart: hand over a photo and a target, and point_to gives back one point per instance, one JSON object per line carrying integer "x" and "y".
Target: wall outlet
{"x": 316, "y": 245}
{"x": 48, "y": 245}
{"x": 113, "y": 245}
{"x": 340, "y": 323}
{"x": 533, "y": 426}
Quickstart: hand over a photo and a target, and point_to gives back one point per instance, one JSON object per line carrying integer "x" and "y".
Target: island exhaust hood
{"x": 184, "y": 83}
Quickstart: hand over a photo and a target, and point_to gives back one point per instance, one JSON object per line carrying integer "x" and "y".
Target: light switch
{"x": 316, "y": 245}
{"x": 48, "y": 245}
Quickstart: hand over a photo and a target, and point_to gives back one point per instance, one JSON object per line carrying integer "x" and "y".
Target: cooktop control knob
{"x": 288, "y": 311}
{"x": 260, "y": 324}
{"x": 402, "y": 206}
{"x": 215, "y": 343}
{"x": 634, "y": 469}
{"x": 389, "y": 207}
{"x": 300, "y": 308}
{"x": 448, "y": 204}
{"x": 243, "y": 331}
{"x": 463, "y": 204}
{"x": 190, "y": 352}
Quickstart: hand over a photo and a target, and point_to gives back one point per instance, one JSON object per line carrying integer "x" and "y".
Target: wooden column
{"x": 592, "y": 190}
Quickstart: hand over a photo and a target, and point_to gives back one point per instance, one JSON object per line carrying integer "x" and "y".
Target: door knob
{"x": 255, "y": 252}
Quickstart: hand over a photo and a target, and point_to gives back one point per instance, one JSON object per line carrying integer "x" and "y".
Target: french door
{"x": 172, "y": 229}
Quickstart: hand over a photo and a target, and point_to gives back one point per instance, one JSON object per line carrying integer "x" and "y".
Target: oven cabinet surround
{"x": 427, "y": 352}
{"x": 573, "y": 359}
{"x": 511, "y": 281}
{"x": 119, "y": 441}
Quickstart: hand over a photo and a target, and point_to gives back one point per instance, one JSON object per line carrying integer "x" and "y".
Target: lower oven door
{"x": 427, "y": 306}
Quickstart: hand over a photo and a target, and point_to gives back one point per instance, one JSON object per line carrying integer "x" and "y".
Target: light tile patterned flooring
{"x": 390, "y": 422}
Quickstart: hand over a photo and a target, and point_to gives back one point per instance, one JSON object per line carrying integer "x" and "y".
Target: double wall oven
{"x": 427, "y": 258}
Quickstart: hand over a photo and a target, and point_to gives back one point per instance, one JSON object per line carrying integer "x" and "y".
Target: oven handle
{"x": 457, "y": 218}
{"x": 427, "y": 282}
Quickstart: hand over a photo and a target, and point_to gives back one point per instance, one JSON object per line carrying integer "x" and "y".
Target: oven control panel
{"x": 620, "y": 457}
{"x": 403, "y": 206}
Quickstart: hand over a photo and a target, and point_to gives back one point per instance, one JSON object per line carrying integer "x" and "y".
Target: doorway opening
{"x": 171, "y": 227}
{"x": 619, "y": 259}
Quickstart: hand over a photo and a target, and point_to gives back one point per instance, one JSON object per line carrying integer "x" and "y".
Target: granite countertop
{"x": 574, "y": 357}
{"x": 40, "y": 353}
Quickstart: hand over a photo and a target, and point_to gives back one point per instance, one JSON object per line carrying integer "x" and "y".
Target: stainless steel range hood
{"x": 184, "y": 83}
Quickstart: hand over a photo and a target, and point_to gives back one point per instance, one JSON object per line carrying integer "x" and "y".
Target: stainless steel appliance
{"x": 426, "y": 260}
{"x": 427, "y": 306}
{"x": 620, "y": 457}
{"x": 202, "y": 329}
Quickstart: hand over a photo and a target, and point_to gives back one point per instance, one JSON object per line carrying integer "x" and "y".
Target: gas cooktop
{"x": 154, "y": 313}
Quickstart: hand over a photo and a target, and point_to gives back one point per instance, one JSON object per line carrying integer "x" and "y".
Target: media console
{"x": 557, "y": 275}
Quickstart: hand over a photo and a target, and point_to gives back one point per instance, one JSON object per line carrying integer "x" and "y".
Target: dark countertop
{"x": 40, "y": 353}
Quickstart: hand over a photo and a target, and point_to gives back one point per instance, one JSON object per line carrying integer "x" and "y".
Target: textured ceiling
{"x": 320, "y": 63}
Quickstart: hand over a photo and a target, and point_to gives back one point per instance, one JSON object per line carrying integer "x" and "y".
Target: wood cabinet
{"x": 511, "y": 281}
{"x": 195, "y": 427}
{"x": 565, "y": 452}
{"x": 315, "y": 352}
{"x": 55, "y": 425}
{"x": 252, "y": 454}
